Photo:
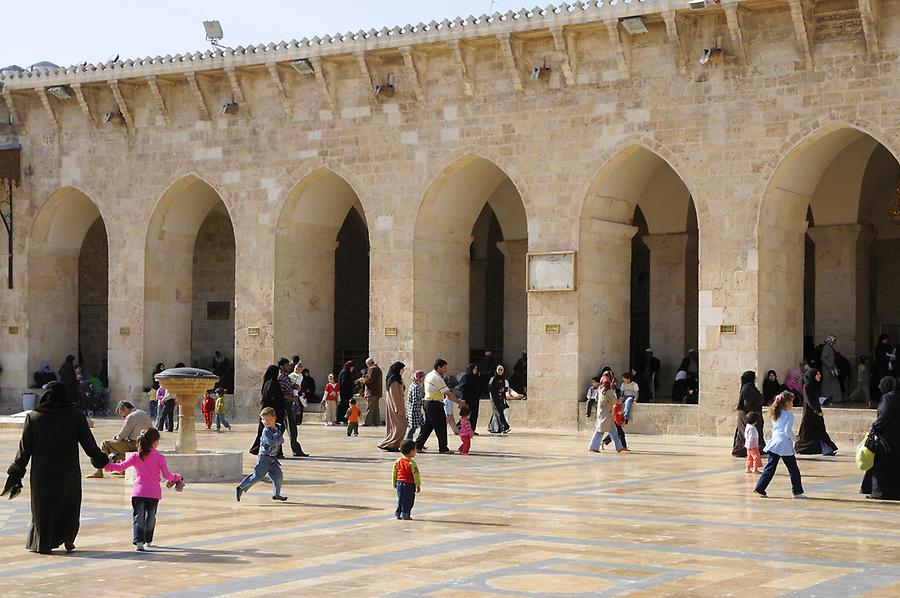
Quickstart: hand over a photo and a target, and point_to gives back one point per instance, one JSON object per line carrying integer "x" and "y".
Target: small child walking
{"x": 220, "y": 411}
{"x": 781, "y": 446}
{"x": 146, "y": 493}
{"x": 751, "y": 443}
{"x": 332, "y": 390}
{"x": 270, "y": 441}
{"x": 207, "y": 408}
{"x": 406, "y": 479}
{"x": 465, "y": 430}
{"x": 353, "y": 419}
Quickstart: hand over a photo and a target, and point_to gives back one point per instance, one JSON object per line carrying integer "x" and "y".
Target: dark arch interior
{"x": 351, "y": 291}
{"x": 93, "y": 299}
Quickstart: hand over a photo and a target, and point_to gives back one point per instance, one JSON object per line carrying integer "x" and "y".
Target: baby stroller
{"x": 94, "y": 402}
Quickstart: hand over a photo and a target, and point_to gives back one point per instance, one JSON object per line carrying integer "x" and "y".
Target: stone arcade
{"x": 152, "y": 216}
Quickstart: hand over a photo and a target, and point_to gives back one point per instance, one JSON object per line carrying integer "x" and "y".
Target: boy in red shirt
{"x": 353, "y": 419}
{"x": 406, "y": 479}
{"x": 208, "y": 407}
{"x": 619, "y": 428}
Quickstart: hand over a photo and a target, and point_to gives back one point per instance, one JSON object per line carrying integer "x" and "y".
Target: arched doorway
{"x": 826, "y": 224}
{"x": 322, "y": 275}
{"x": 638, "y": 270}
{"x": 471, "y": 241}
{"x": 189, "y": 283}
{"x": 68, "y": 283}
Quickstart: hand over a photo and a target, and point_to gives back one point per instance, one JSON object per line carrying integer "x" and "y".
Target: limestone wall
{"x": 726, "y": 129}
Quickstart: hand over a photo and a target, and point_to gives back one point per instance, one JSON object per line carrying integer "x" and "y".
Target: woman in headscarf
{"x": 469, "y": 388}
{"x": 750, "y": 400}
{"x": 415, "y": 404}
{"x": 605, "y": 421}
{"x": 395, "y": 404}
{"x": 270, "y": 396}
{"x": 500, "y": 392}
{"x": 69, "y": 379}
{"x": 831, "y": 383}
{"x": 771, "y": 387}
{"x": 679, "y": 387}
{"x": 347, "y": 381}
{"x": 50, "y": 439}
{"x": 883, "y": 480}
{"x": 813, "y": 439}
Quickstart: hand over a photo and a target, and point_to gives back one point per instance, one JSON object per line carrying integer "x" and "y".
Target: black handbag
{"x": 877, "y": 444}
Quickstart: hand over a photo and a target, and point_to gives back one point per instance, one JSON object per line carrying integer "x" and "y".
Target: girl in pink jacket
{"x": 148, "y": 464}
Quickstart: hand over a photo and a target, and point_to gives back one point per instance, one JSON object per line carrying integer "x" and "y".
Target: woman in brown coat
{"x": 395, "y": 403}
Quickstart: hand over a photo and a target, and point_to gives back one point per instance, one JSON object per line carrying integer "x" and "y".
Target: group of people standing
{"x": 880, "y": 482}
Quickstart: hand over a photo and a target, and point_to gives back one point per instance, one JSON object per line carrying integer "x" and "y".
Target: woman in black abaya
{"x": 883, "y": 480}
{"x": 750, "y": 400}
{"x": 771, "y": 387}
{"x": 270, "y": 396}
{"x": 70, "y": 380}
{"x": 50, "y": 441}
{"x": 813, "y": 439}
{"x": 347, "y": 382}
{"x": 469, "y": 389}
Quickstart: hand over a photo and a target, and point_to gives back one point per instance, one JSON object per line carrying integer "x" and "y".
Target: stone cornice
{"x": 446, "y": 32}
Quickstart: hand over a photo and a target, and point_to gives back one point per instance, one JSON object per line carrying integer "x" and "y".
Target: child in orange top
{"x": 353, "y": 419}
{"x": 465, "y": 430}
{"x": 208, "y": 407}
{"x": 618, "y": 425}
{"x": 406, "y": 479}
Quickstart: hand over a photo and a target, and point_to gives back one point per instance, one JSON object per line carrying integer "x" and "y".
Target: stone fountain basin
{"x": 203, "y": 466}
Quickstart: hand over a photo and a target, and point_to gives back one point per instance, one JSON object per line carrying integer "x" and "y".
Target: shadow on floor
{"x": 176, "y": 554}
{"x": 291, "y": 503}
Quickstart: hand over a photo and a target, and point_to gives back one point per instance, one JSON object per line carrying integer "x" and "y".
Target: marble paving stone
{"x": 529, "y": 514}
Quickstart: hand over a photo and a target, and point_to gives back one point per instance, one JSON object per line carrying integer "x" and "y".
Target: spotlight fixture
{"x": 541, "y": 73}
{"x": 229, "y": 108}
{"x": 699, "y": 4}
{"x": 711, "y": 55}
{"x": 113, "y": 117}
{"x": 303, "y": 66}
{"x": 214, "y": 34}
{"x": 634, "y": 25}
{"x": 59, "y": 91}
{"x": 386, "y": 90}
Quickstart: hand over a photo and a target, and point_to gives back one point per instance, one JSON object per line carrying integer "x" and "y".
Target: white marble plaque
{"x": 552, "y": 271}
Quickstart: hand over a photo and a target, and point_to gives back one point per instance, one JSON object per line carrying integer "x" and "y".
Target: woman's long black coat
{"x": 50, "y": 441}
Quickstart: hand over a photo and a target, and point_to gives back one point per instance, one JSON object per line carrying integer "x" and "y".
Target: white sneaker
{"x": 147, "y": 544}
{"x": 800, "y": 496}
{"x": 139, "y": 547}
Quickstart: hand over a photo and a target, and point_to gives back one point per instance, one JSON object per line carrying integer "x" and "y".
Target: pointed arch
{"x": 67, "y": 296}
{"x": 189, "y": 263}
{"x": 444, "y": 288}
{"x": 321, "y": 306}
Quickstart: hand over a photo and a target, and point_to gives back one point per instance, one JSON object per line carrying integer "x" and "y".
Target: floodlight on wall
{"x": 386, "y": 90}
{"x": 59, "y": 91}
{"x": 303, "y": 66}
{"x": 634, "y": 25}
{"x": 541, "y": 73}
{"x": 214, "y": 34}
{"x": 699, "y": 4}
{"x": 229, "y": 108}
{"x": 113, "y": 117}
{"x": 712, "y": 55}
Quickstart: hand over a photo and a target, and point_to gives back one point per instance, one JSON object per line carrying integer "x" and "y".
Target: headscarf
{"x": 394, "y": 374}
{"x": 887, "y": 384}
{"x": 814, "y": 386}
{"x": 830, "y": 339}
{"x": 55, "y": 398}
{"x": 269, "y": 377}
{"x": 681, "y": 375}
{"x": 771, "y": 387}
{"x": 748, "y": 377}
{"x": 348, "y": 366}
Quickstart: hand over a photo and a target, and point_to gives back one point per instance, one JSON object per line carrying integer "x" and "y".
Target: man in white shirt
{"x": 136, "y": 421}
{"x": 435, "y": 391}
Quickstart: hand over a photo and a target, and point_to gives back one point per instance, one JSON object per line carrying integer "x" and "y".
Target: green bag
{"x": 865, "y": 458}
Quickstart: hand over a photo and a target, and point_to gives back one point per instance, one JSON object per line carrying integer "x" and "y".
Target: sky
{"x": 68, "y": 32}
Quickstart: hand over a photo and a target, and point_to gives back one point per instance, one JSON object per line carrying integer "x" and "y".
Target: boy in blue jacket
{"x": 270, "y": 442}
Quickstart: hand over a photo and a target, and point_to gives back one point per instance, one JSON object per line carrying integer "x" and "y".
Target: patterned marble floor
{"x": 529, "y": 514}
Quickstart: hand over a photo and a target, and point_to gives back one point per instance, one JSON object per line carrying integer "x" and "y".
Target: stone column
{"x": 515, "y": 300}
{"x": 843, "y": 264}
{"x": 667, "y": 302}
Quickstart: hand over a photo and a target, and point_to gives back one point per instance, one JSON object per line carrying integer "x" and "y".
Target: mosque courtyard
{"x": 528, "y": 514}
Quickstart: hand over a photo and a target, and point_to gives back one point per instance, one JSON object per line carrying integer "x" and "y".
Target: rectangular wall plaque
{"x": 551, "y": 328}
{"x": 727, "y": 329}
{"x": 124, "y": 331}
{"x": 253, "y": 331}
{"x": 550, "y": 271}
{"x": 390, "y": 331}
{"x": 14, "y": 330}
